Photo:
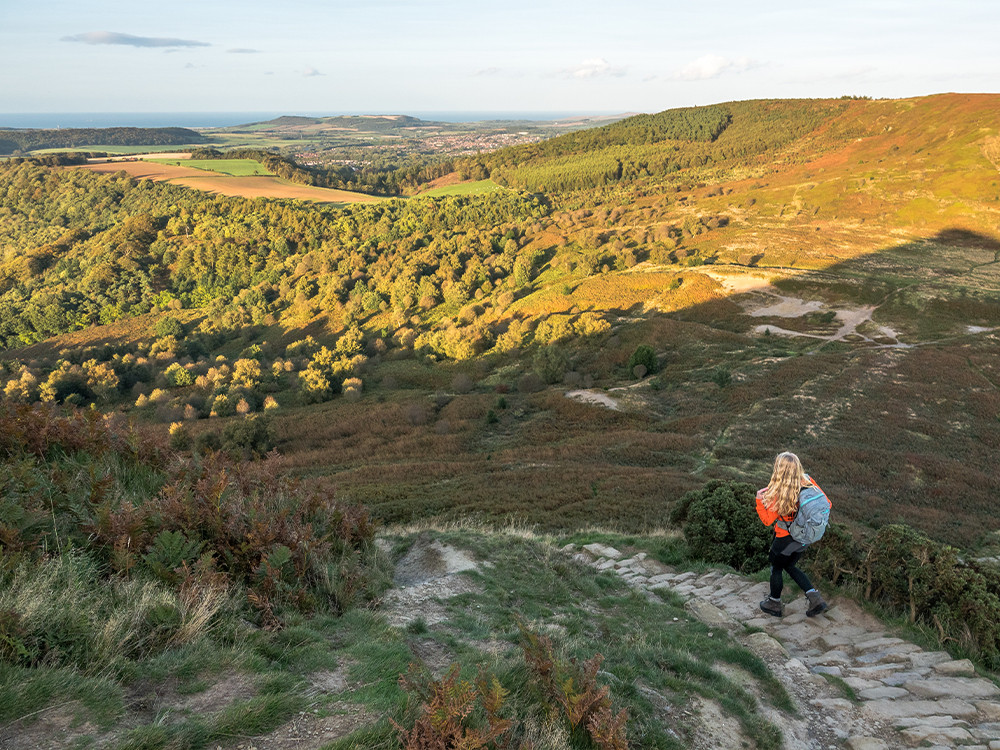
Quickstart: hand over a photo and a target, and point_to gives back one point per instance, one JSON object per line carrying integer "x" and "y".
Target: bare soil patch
{"x": 143, "y": 170}
{"x": 309, "y": 731}
{"x": 53, "y": 729}
{"x": 594, "y": 397}
{"x": 239, "y": 187}
{"x": 427, "y": 574}
{"x": 235, "y": 687}
{"x": 267, "y": 187}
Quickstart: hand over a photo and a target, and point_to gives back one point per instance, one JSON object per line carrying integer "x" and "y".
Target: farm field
{"x": 217, "y": 140}
{"x": 476, "y": 187}
{"x": 231, "y": 167}
{"x": 242, "y": 187}
{"x": 271, "y": 187}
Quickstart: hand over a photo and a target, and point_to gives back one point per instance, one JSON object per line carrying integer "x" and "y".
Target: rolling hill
{"x": 816, "y": 275}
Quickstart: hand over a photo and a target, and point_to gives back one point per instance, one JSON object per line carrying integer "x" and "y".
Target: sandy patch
{"x": 594, "y": 397}
{"x": 787, "y": 307}
{"x": 851, "y": 319}
{"x": 979, "y": 329}
{"x": 738, "y": 282}
{"x": 427, "y": 575}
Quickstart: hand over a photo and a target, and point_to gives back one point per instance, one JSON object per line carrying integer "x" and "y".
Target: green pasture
{"x": 479, "y": 187}
{"x": 231, "y": 167}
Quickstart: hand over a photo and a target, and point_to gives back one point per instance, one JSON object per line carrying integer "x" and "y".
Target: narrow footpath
{"x": 855, "y": 686}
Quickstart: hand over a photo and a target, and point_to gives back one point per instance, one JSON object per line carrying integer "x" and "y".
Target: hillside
{"x": 411, "y": 432}
{"x": 24, "y": 140}
{"x": 795, "y": 267}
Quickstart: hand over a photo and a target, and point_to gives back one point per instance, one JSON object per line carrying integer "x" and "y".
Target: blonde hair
{"x": 787, "y": 480}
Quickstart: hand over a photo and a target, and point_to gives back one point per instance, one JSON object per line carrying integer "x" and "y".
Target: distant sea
{"x": 225, "y": 119}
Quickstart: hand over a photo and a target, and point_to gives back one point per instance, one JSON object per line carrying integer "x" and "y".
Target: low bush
{"x": 645, "y": 356}
{"x": 926, "y": 581}
{"x": 721, "y": 525}
{"x": 249, "y": 436}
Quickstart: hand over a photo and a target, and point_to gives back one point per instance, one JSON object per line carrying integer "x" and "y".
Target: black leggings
{"x": 785, "y": 563}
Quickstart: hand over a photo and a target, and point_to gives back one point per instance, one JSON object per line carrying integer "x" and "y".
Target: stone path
{"x": 899, "y": 696}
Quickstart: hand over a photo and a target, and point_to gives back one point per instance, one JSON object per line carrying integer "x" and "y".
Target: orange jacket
{"x": 769, "y": 517}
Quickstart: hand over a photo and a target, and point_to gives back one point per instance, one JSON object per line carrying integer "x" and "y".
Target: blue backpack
{"x": 812, "y": 518}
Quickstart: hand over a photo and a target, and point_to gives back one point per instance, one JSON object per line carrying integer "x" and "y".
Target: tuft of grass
{"x": 838, "y": 682}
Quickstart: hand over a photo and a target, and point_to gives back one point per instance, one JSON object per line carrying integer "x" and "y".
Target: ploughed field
{"x": 246, "y": 185}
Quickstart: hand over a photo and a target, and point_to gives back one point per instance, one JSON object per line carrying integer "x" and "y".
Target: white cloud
{"x": 487, "y": 72}
{"x": 112, "y": 37}
{"x": 243, "y": 51}
{"x": 713, "y": 66}
{"x": 310, "y": 72}
{"x": 595, "y": 68}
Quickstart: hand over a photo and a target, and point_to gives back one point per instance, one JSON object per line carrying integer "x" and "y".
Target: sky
{"x": 401, "y": 56}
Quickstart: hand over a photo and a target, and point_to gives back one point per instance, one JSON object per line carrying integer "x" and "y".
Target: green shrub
{"x": 645, "y": 356}
{"x": 722, "y": 377}
{"x": 250, "y": 436}
{"x": 169, "y": 327}
{"x": 170, "y": 551}
{"x": 930, "y": 583}
{"x": 721, "y": 525}
{"x": 551, "y": 363}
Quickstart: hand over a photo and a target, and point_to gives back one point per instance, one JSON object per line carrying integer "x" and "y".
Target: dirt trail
{"x": 900, "y": 695}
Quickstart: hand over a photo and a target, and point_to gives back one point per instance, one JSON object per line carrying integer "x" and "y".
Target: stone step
{"x": 896, "y": 679}
{"x": 953, "y": 687}
{"x": 928, "y": 658}
{"x": 876, "y": 672}
{"x": 886, "y": 692}
{"x": 893, "y": 653}
{"x": 988, "y": 731}
{"x": 601, "y": 550}
{"x": 956, "y": 668}
{"x": 923, "y": 735}
{"x": 931, "y": 721}
{"x": 926, "y": 694}
{"x": 889, "y": 710}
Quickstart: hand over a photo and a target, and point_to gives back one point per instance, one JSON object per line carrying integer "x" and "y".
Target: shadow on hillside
{"x": 899, "y": 418}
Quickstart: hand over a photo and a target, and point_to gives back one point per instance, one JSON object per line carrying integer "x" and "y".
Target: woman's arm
{"x": 767, "y": 516}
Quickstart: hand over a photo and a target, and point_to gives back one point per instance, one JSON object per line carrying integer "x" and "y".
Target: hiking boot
{"x": 816, "y": 603}
{"x": 773, "y": 607}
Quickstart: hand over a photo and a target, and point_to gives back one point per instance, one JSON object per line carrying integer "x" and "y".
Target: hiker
{"x": 778, "y": 505}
